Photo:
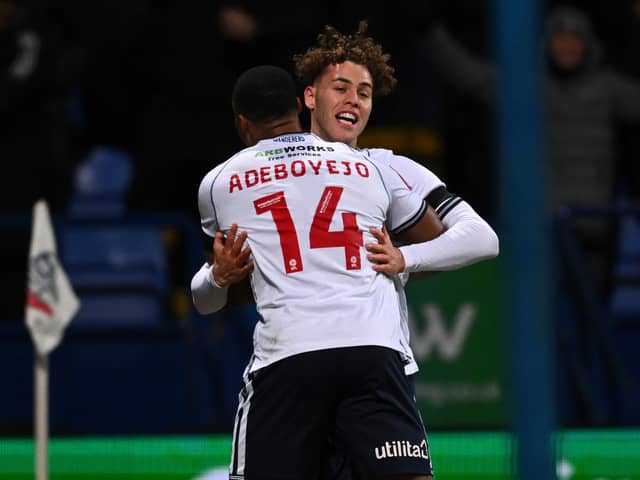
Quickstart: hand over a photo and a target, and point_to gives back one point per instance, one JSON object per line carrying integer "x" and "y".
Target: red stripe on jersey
{"x": 402, "y": 178}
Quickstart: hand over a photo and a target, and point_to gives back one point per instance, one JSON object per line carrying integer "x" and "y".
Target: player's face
{"x": 340, "y": 102}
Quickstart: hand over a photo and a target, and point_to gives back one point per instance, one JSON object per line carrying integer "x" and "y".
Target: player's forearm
{"x": 207, "y": 296}
{"x": 467, "y": 240}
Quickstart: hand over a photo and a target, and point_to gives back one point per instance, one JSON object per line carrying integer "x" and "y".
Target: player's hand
{"x": 230, "y": 260}
{"x": 387, "y": 258}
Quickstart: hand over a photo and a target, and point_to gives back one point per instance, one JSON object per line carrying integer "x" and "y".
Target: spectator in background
{"x": 258, "y": 32}
{"x": 32, "y": 115}
{"x": 630, "y": 172}
{"x": 584, "y": 100}
{"x": 155, "y": 85}
{"x": 33, "y": 147}
{"x": 175, "y": 67}
{"x": 633, "y": 53}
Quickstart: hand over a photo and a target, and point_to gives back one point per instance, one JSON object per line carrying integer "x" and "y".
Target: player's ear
{"x": 242, "y": 126}
{"x": 310, "y": 97}
{"x": 237, "y": 122}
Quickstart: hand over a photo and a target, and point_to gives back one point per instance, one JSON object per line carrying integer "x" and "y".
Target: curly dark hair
{"x": 334, "y": 47}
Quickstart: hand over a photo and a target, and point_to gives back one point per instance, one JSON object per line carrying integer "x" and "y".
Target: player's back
{"x": 307, "y": 206}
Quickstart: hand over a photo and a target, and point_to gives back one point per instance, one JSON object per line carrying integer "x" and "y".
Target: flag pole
{"x": 42, "y": 416}
{"x": 51, "y": 304}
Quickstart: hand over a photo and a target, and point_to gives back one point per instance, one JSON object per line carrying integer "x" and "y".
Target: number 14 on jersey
{"x": 349, "y": 238}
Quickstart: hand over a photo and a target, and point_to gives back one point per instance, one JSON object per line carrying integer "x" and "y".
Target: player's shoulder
{"x": 377, "y": 154}
{"x": 209, "y": 179}
{"x": 390, "y": 157}
{"x": 206, "y": 184}
{"x": 396, "y": 160}
{"x": 413, "y": 173}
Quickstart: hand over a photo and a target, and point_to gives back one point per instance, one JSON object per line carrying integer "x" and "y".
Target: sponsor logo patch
{"x": 289, "y": 139}
{"x": 402, "y": 448}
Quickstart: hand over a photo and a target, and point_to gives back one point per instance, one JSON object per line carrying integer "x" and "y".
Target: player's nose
{"x": 352, "y": 98}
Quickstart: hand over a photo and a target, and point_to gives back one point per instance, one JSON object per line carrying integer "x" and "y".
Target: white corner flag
{"x": 51, "y": 302}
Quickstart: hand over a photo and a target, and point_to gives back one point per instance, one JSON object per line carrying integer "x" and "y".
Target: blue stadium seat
{"x": 119, "y": 272}
{"x": 100, "y": 184}
{"x": 625, "y": 298}
{"x": 625, "y": 313}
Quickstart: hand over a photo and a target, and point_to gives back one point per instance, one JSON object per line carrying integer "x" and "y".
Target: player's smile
{"x": 347, "y": 119}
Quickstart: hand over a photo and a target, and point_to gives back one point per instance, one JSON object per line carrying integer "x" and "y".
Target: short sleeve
{"x": 208, "y": 219}
{"x": 406, "y": 207}
{"x": 420, "y": 179}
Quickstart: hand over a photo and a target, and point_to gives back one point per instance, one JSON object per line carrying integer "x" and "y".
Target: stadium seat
{"x": 625, "y": 314}
{"x": 625, "y": 298}
{"x": 100, "y": 184}
{"x": 119, "y": 272}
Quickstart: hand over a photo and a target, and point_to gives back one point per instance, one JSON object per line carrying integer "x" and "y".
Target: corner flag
{"x": 51, "y": 302}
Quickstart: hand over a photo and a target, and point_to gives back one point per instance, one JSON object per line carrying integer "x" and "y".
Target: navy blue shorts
{"x": 339, "y": 466}
{"x": 357, "y": 396}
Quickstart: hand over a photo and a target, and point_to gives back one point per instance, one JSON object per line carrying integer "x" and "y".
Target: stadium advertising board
{"x": 457, "y": 337}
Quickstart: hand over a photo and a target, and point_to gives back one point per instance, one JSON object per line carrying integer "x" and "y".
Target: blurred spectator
{"x": 270, "y": 33}
{"x": 584, "y": 100}
{"x": 33, "y": 137}
{"x": 32, "y": 111}
{"x": 258, "y": 32}
{"x": 633, "y": 52}
{"x": 167, "y": 99}
{"x": 237, "y": 24}
{"x": 153, "y": 83}
{"x": 630, "y": 172}
{"x": 394, "y": 24}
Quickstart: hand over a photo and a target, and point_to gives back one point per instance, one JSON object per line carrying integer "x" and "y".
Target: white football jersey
{"x": 422, "y": 181}
{"x": 416, "y": 177}
{"x": 307, "y": 206}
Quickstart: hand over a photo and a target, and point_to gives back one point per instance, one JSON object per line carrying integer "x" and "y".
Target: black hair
{"x": 264, "y": 93}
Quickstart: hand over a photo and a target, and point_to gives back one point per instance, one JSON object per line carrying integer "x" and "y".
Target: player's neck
{"x": 285, "y": 126}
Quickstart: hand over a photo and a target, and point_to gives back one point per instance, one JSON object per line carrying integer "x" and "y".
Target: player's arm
{"x": 388, "y": 258}
{"x": 232, "y": 265}
{"x": 467, "y": 238}
{"x": 208, "y": 297}
{"x": 229, "y": 265}
{"x": 227, "y": 262}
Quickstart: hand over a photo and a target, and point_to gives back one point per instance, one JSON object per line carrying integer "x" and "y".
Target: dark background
{"x": 154, "y": 78}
